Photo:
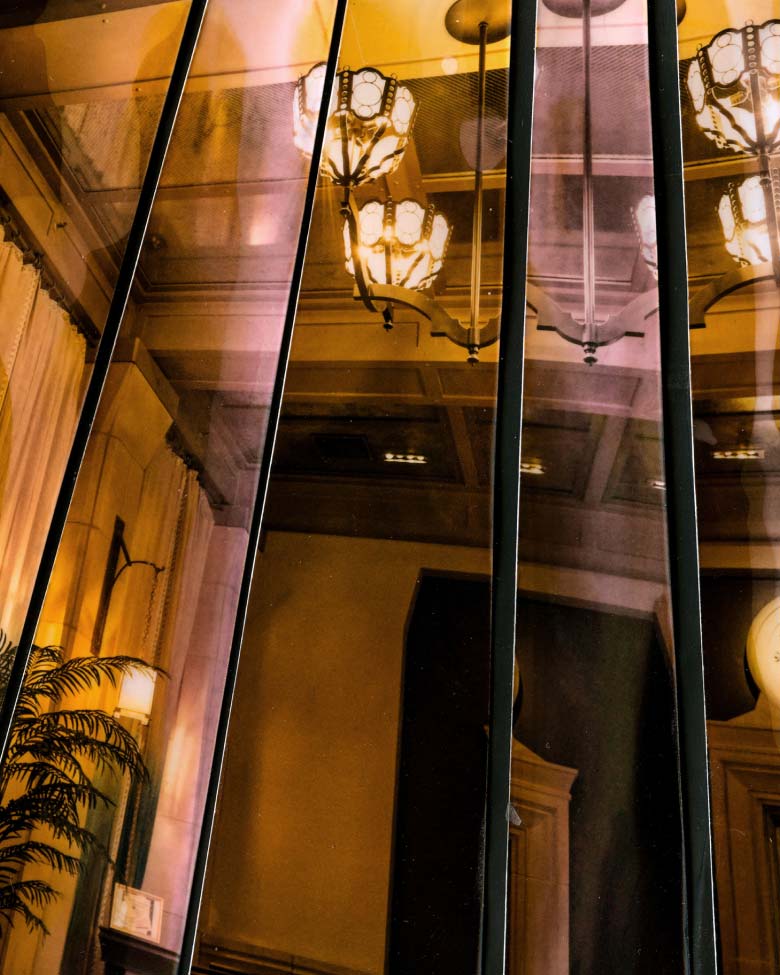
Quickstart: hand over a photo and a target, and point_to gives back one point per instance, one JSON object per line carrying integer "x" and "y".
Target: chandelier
{"x": 734, "y": 88}
{"x": 369, "y": 124}
{"x": 395, "y": 250}
{"x": 398, "y": 244}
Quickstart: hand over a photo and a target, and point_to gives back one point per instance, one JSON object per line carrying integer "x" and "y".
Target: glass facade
{"x": 264, "y": 419}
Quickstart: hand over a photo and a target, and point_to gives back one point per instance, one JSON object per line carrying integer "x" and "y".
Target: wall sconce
{"x": 111, "y": 576}
{"x": 734, "y": 87}
{"x": 136, "y": 694}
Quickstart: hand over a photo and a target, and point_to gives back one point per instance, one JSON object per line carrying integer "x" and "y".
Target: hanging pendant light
{"x": 734, "y": 87}
{"x": 395, "y": 250}
{"x": 401, "y": 244}
{"x": 591, "y": 332}
{"x": 369, "y": 125}
{"x": 734, "y": 84}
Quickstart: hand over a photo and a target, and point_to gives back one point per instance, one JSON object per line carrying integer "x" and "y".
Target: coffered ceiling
{"x": 211, "y": 291}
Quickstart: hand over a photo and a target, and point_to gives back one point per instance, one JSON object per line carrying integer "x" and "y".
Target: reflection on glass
{"x": 349, "y": 829}
{"x": 75, "y": 135}
{"x": 595, "y": 867}
{"x": 143, "y": 596}
{"x": 730, "y": 133}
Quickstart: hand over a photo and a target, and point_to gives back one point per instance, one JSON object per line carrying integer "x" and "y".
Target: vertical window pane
{"x": 729, "y": 110}
{"x": 349, "y": 831}
{"x": 145, "y": 586}
{"x": 595, "y": 865}
{"x": 75, "y": 135}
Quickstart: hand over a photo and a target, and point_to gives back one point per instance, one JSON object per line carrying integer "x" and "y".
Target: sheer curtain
{"x": 41, "y": 371}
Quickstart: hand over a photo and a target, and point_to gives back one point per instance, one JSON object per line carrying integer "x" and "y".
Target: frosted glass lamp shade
{"x": 729, "y": 108}
{"x": 400, "y": 243}
{"x": 369, "y": 124}
{"x": 136, "y": 694}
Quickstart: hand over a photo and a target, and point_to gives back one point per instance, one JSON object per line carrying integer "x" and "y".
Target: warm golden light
{"x": 136, "y": 694}
{"x": 401, "y": 243}
{"x": 734, "y": 84}
{"x": 369, "y": 125}
{"x": 739, "y": 453}
{"x": 393, "y": 458}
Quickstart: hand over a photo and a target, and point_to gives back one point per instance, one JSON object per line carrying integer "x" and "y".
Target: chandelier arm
{"x": 549, "y": 313}
{"x": 626, "y": 322}
{"x": 708, "y": 296}
{"x": 441, "y": 322}
{"x": 362, "y": 286}
{"x": 771, "y": 139}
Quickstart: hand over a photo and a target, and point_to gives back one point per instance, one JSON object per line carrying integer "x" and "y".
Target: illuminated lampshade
{"x": 400, "y": 243}
{"x": 136, "y": 694}
{"x": 369, "y": 124}
{"x": 644, "y": 220}
{"x": 720, "y": 85}
{"x": 762, "y": 657}
{"x": 742, "y": 212}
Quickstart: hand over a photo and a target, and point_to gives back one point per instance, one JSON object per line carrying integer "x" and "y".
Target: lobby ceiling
{"x": 211, "y": 291}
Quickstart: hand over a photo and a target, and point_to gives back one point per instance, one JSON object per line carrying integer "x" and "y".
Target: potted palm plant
{"x": 47, "y": 782}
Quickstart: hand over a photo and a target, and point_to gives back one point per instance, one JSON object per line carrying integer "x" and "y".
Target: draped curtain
{"x": 42, "y": 361}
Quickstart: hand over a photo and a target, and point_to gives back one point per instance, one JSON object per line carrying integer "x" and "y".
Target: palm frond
{"x": 45, "y": 782}
{"x": 33, "y": 851}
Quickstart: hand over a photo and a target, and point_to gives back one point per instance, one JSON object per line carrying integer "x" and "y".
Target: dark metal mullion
{"x": 212, "y": 793}
{"x": 127, "y": 269}
{"x": 699, "y": 902}
{"x": 506, "y": 484}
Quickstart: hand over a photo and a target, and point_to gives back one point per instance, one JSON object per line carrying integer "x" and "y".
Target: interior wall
{"x": 310, "y": 777}
{"x": 305, "y": 824}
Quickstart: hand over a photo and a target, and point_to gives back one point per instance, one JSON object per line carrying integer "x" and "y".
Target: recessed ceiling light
{"x": 393, "y": 458}
{"x": 531, "y": 467}
{"x": 739, "y": 453}
{"x": 449, "y": 65}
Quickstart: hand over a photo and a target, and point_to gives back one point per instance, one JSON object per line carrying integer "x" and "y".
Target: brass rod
{"x": 589, "y": 248}
{"x": 476, "y": 226}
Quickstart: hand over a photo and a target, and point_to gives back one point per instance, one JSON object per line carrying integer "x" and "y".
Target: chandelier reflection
{"x": 398, "y": 244}
{"x": 734, "y": 87}
{"x": 733, "y": 84}
{"x": 590, "y": 330}
{"x": 395, "y": 250}
{"x": 369, "y": 125}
